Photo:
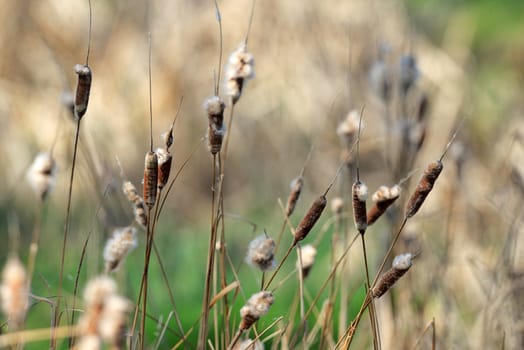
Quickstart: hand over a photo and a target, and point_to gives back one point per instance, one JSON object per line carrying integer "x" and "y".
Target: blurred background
{"x": 313, "y": 64}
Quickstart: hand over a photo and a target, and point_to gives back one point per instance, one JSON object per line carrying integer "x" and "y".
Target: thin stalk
{"x": 210, "y": 264}
{"x": 368, "y": 290}
{"x": 66, "y": 232}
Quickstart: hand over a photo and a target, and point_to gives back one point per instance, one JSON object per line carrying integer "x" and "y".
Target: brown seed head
{"x": 424, "y": 187}
{"x": 239, "y": 70}
{"x": 309, "y": 220}
{"x": 42, "y": 174}
{"x": 139, "y": 208}
{"x": 382, "y": 198}
{"x": 257, "y": 306}
{"x": 83, "y": 89}
{"x": 122, "y": 241}
{"x": 401, "y": 264}
{"x": 296, "y": 187}
{"x": 261, "y": 253}
{"x": 164, "y": 166}
{"x": 360, "y": 194}
{"x": 150, "y": 179}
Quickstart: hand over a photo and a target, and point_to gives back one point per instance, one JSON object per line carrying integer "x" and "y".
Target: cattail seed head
{"x": 307, "y": 256}
{"x": 122, "y": 241}
{"x": 382, "y": 198}
{"x": 239, "y": 69}
{"x": 83, "y": 89}
{"x": 257, "y": 306}
{"x": 309, "y": 220}
{"x": 360, "y": 195}
{"x": 409, "y": 72}
{"x": 424, "y": 187}
{"x": 42, "y": 174}
{"x": 14, "y": 292}
{"x": 248, "y": 344}
{"x": 380, "y": 79}
{"x": 337, "y": 205}
{"x": 150, "y": 179}
{"x": 296, "y": 187}
{"x": 105, "y": 312}
{"x": 164, "y": 166}
{"x": 214, "y": 107}
{"x": 348, "y": 128}
{"x": 261, "y": 253}
{"x": 401, "y": 264}
{"x": 139, "y": 208}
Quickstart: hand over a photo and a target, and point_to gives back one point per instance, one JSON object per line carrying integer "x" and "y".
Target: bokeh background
{"x": 312, "y": 64}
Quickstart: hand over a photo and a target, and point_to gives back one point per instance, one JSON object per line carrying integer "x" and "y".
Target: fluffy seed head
{"x": 401, "y": 264}
{"x": 249, "y": 344}
{"x": 296, "y": 188}
{"x": 105, "y": 312}
{"x": 164, "y": 166}
{"x": 42, "y": 174}
{"x": 261, "y": 253}
{"x": 14, "y": 292}
{"x": 83, "y": 89}
{"x": 360, "y": 194}
{"x": 216, "y": 130}
{"x": 307, "y": 255}
{"x": 139, "y": 208}
{"x": 257, "y": 306}
{"x": 337, "y": 205}
{"x": 239, "y": 69}
{"x": 150, "y": 179}
{"x": 382, "y": 198}
{"x": 309, "y": 220}
{"x": 348, "y": 128}
{"x": 409, "y": 72}
{"x": 118, "y": 246}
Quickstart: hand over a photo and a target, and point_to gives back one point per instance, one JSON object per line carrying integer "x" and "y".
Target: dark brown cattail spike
{"x": 382, "y": 198}
{"x": 83, "y": 89}
{"x": 424, "y": 187}
{"x": 164, "y": 166}
{"x": 360, "y": 195}
{"x": 150, "y": 179}
{"x": 309, "y": 220}
{"x": 401, "y": 264}
{"x": 296, "y": 189}
{"x": 215, "y": 111}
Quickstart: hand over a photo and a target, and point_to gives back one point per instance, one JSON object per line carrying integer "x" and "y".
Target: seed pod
{"x": 408, "y": 72}
{"x": 382, "y": 198}
{"x": 83, "y": 89}
{"x": 14, "y": 292}
{"x": 122, "y": 241}
{"x": 360, "y": 194}
{"x": 164, "y": 166}
{"x": 307, "y": 255}
{"x": 401, "y": 265}
{"x": 348, "y": 128}
{"x": 257, "y": 306}
{"x": 215, "y": 111}
{"x": 309, "y": 220}
{"x": 337, "y": 205}
{"x": 150, "y": 179}
{"x": 261, "y": 253}
{"x": 239, "y": 70}
{"x": 42, "y": 174}
{"x": 424, "y": 187}
{"x": 139, "y": 208}
{"x": 296, "y": 188}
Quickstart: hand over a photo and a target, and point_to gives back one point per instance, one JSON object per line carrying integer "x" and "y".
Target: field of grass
{"x": 342, "y": 91}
